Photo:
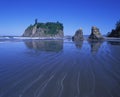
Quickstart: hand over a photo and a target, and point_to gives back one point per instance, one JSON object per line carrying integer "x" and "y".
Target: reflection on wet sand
{"x": 95, "y": 45}
{"x": 79, "y": 44}
{"x": 68, "y": 73}
{"x": 114, "y": 48}
{"x": 45, "y": 45}
{"x": 114, "y": 42}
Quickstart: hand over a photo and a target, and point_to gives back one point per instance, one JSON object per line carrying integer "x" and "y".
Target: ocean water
{"x": 59, "y": 68}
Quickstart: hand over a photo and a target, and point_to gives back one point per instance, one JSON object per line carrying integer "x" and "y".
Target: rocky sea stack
{"x": 78, "y": 35}
{"x": 49, "y": 29}
{"x": 95, "y": 34}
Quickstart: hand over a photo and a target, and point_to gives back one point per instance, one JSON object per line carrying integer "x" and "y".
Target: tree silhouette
{"x": 118, "y": 25}
{"x": 36, "y": 21}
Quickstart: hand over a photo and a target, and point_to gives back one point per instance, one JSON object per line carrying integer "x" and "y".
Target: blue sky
{"x": 16, "y": 15}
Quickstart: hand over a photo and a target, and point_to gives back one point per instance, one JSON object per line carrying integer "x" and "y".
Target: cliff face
{"x": 49, "y": 29}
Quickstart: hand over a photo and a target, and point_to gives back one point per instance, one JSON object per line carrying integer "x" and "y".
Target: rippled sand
{"x": 42, "y": 68}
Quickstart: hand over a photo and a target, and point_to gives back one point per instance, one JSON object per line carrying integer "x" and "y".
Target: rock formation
{"x": 95, "y": 34}
{"x": 78, "y": 35}
{"x": 49, "y": 29}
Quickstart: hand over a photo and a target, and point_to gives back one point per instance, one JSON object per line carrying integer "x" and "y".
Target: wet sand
{"x": 42, "y": 68}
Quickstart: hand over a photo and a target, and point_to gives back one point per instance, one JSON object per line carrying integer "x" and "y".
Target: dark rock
{"x": 95, "y": 34}
{"x": 78, "y": 35}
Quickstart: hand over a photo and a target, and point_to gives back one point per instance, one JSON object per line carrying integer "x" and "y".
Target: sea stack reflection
{"x": 45, "y": 45}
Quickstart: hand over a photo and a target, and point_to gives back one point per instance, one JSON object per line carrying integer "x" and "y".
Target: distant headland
{"x": 115, "y": 32}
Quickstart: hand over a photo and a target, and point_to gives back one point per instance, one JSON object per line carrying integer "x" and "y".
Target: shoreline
{"x": 111, "y": 38}
{"x": 27, "y": 38}
{"x": 53, "y": 38}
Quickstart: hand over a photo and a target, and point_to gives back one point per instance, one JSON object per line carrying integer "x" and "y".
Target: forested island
{"x": 49, "y": 29}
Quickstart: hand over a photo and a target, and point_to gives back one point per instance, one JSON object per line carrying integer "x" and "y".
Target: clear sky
{"x": 16, "y": 15}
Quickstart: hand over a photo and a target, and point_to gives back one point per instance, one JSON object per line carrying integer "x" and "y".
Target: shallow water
{"x": 57, "y": 68}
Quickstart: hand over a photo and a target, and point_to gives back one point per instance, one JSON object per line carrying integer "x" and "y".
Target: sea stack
{"x": 78, "y": 35}
{"x": 49, "y": 29}
{"x": 95, "y": 34}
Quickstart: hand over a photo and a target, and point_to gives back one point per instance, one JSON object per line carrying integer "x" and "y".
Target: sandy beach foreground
{"x": 59, "y": 68}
